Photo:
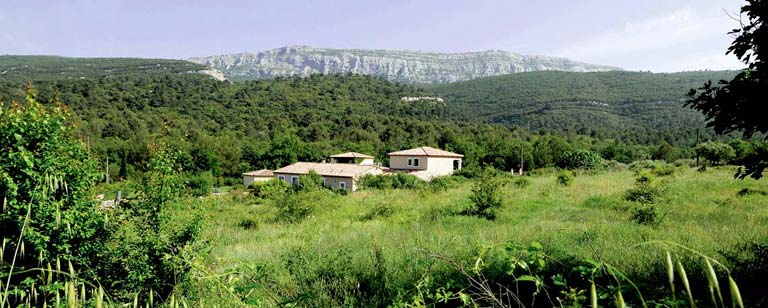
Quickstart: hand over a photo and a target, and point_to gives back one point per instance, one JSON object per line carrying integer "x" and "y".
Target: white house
{"x": 425, "y": 162}
{"x": 256, "y": 176}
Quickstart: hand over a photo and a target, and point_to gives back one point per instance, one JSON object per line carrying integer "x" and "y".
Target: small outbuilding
{"x": 257, "y": 176}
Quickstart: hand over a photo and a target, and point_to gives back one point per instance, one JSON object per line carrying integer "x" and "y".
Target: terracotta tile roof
{"x": 327, "y": 169}
{"x": 262, "y": 173}
{"x": 351, "y": 155}
{"x": 425, "y": 151}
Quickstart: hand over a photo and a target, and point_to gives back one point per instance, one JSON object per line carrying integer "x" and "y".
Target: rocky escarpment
{"x": 400, "y": 66}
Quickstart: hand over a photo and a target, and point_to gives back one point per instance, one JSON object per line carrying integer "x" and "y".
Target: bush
{"x": 581, "y": 159}
{"x": 521, "y": 182}
{"x": 565, "y": 178}
{"x": 310, "y": 181}
{"x": 715, "y": 153}
{"x": 646, "y": 191}
{"x": 269, "y": 189}
{"x": 406, "y": 181}
{"x": 293, "y": 207}
{"x": 370, "y": 181}
{"x": 646, "y": 215}
{"x": 486, "y": 196}
{"x": 379, "y": 210}
{"x": 248, "y": 224}
{"x": 200, "y": 185}
{"x": 472, "y": 172}
{"x": 443, "y": 183}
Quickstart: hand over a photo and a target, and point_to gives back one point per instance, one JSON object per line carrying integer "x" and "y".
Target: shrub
{"x": 370, "y": 181}
{"x": 521, "y": 182}
{"x": 646, "y": 215}
{"x": 486, "y": 196}
{"x": 472, "y": 172}
{"x": 248, "y": 224}
{"x": 565, "y": 178}
{"x": 715, "y": 153}
{"x": 310, "y": 181}
{"x": 201, "y": 184}
{"x": 269, "y": 189}
{"x": 293, "y": 207}
{"x": 646, "y": 191}
{"x": 379, "y": 210}
{"x": 406, "y": 181}
{"x": 581, "y": 159}
{"x": 443, "y": 183}
{"x": 665, "y": 170}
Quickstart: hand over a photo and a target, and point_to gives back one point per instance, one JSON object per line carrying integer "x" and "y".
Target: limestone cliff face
{"x": 401, "y": 66}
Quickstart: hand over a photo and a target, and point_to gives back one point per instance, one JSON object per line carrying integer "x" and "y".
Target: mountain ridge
{"x": 404, "y": 66}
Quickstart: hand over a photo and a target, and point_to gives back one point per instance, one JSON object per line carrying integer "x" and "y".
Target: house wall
{"x": 333, "y": 182}
{"x": 330, "y": 181}
{"x": 440, "y": 166}
{"x": 248, "y": 179}
{"x": 401, "y": 162}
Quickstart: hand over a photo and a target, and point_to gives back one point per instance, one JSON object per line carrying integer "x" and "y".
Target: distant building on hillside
{"x": 257, "y": 176}
{"x": 425, "y": 162}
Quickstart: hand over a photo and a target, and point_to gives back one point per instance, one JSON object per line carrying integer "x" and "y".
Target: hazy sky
{"x": 656, "y": 35}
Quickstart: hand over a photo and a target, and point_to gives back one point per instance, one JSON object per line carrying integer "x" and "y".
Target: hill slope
{"x": 392, "y": 65}
{"x": 24, "y": 68}
{"x": 628, "y": 105}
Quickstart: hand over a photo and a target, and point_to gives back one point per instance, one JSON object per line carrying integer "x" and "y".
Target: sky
{"x": 647, "y": 35}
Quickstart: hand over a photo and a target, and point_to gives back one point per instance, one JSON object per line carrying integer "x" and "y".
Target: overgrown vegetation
{"x": 50, "y": 217}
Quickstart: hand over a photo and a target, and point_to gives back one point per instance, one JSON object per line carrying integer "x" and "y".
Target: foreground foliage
{"x": 56, "y": 237}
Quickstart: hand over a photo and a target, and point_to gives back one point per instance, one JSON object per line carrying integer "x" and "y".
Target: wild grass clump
{"x": 248, "y": 224}
{"x": 521, "y": 182}
{"x": 378, "y": 211}
{"x": 565, "y": 177}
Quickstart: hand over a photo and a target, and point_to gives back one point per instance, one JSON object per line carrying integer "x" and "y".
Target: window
{"x": 294, "y": 180}
{"x": 281, "y": 177}
{"x": 343, "y": 185}
{"x": 416, "y": 162}
{"x": 410, "y": 162}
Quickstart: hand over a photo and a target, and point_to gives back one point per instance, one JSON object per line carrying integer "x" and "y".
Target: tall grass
{"x": 327, "y": 259}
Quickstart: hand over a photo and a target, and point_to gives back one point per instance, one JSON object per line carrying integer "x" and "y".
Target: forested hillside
{"x": 228, "y": 128}
{"x": 22, "y": 68}
{"x": 633, "y": 106}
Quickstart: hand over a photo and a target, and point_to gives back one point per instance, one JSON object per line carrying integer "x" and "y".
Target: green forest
{"x": 229, "y": 128}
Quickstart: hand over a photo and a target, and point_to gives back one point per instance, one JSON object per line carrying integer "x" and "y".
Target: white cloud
{"x": 671, "y": 41}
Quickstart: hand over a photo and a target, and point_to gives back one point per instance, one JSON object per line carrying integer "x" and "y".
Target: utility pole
{"x": 522, "y": 159}
{"x": 107, "y": 170}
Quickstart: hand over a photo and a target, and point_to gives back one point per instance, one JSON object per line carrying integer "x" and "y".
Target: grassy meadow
{"x": 380, "y": 247}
